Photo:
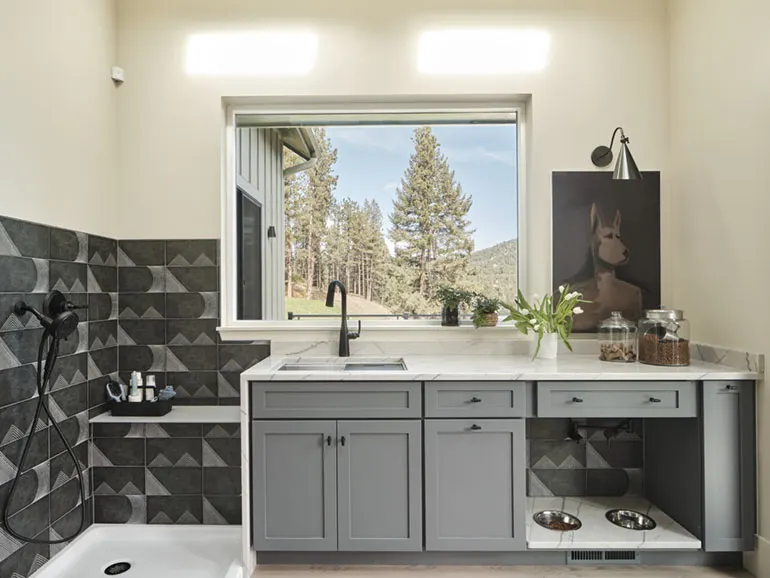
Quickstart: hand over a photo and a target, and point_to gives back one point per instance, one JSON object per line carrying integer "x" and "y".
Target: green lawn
{"x": 305, "y": 306}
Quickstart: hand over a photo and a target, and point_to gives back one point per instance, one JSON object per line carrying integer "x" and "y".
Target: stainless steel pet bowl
{"x": 557, "y": 521}
{"x": 631, "y": 520}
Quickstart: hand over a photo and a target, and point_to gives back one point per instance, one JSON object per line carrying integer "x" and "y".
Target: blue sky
{"x": 371, "y": 161}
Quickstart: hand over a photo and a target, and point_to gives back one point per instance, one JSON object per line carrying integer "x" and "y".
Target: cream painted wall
{"x": 170, "y": 123}
{"x": 58, "y": 116}
{"x": 720, "y": 192}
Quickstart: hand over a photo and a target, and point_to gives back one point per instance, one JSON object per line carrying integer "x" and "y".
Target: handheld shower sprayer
{"x": 59, "y": 320}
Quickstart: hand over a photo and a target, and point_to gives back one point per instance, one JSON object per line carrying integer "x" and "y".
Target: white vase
{"x": 549, "y": 346}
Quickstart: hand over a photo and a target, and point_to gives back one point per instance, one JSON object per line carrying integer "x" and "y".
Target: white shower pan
{"x": 153, "y": 551}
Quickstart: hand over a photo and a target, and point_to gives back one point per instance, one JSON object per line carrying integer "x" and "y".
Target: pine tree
{"x": 429, "y": 224}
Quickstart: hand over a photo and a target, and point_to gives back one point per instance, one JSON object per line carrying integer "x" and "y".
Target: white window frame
{"x": 232, "y": 328}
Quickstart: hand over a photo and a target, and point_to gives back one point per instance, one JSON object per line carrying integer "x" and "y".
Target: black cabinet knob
{"x": 342, "y": 440}
{"x": 328, "y": 440}
{"x": 577, "y": 400}
{"x": 654, "y": 400}
{"x": 475, "y": 400}
{"x": 475, "y": 427}
{"x": 731, "y": 387}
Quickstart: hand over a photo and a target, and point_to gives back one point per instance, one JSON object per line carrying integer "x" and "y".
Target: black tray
{"x": 141, "y": 408}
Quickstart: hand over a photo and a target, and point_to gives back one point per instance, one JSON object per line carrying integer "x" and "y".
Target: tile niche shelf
{"x": 180, "y": 414}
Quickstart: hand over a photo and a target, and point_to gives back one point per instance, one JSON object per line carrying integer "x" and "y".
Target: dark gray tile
{"x": 102, "y": 251}
{"x": 222, "y": 510}
{"x": 173, "y": 430}
{"x": 120, "y": 509}
{"x": 38, "y": 452}
{"x": 552, "y": 455}
{"x": 607, "y": 483}
{"x": 102, "y": 306}
{"x": 118, "y": 481}
{"x": 118, "y": 430}
{"x": 548, "y": 428}
{"x": 141, "y": 280}
{"x": 68, "y": 525}
{"x": 133, "y": 253}
{"x": 108, "y": 452}
{"x": 557, "y": 482}
{"x": 69, "y": 370}
{"x": 617, "y": 454}
{"x": 102, "y": 334}
{"x": 237, "y": 357}
{"x": 69, "y": 245}
{"x": 18, "y": 274}
{"x": 24, "y": 239}
{"x": 63, "y": 469}
{"x": 229, "y": 385}
{"x": 68, "y": 277}
{"x": 142, "y": 332}
{"x": 174, "y": 481}
{"x": 16, "y": 421}
{"x": 9, "y": 321}
{"x": 69, "y": 401}
{"x": 192, "y": 279}
{"x": 194, "y": 384}
{"x": 222, "y": 430}
{"x": 222, "y": 481}
{"x": 192, "y": 305}
{"x": 25, "y": 561}
{"x": 142, "y": 358}
{"x": 191, "y": 331}
{"x": 102, "y": 362}
{"x": 17, "y": 384}
{"x": 102, "y": 279}
{"x": 20, "y": 347}
{"x": 174, "y": 509}
{"x": 142, "y": 306}
{"x": 75, "y": 430}
{"x": 196, "y": 253}
{"x": 174, "y": 452}
{"x": 230, "y": 401}
{"x": 220, "y": 452}
{"x": 32, "y": 484}
{"x": 192, "y": 358}
{"x": 34, "y": 518}
{"x": 96, "y": 392}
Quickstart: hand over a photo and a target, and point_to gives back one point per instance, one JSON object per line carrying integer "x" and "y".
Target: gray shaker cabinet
{"x": 379, "y": 466}
{"x": 729, "y": 469}
{"x": 294, "y": 490}
{"x": 475, "y": 485}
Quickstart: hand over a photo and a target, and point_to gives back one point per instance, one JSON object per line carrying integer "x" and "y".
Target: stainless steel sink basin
{"x": 338, "y": 364}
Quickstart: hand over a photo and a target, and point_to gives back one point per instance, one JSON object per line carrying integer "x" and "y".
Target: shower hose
{"x": 43, "y": 378}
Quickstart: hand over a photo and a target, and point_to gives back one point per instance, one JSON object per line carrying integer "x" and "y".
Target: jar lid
{"x": 664, "y": 314}
{"x": 617, "y": 321}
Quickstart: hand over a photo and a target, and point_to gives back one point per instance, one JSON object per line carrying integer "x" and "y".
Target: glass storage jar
{"x": 617, "y": 339}
{"x": 664, "y": 338}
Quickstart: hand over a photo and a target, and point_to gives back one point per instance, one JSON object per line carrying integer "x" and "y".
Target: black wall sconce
{"x": 625, "y": 167}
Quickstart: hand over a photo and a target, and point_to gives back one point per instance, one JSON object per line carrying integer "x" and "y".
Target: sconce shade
{"x": 625, "y": 167}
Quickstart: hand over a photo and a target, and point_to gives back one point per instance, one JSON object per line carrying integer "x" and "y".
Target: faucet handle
{"x": 355, "y": 334}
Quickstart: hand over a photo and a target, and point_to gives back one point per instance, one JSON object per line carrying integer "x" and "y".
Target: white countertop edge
{"x": 180, "y": 414}
{"x": 613, "y": 545}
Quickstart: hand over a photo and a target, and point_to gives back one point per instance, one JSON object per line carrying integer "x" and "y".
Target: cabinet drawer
{"x": 285, "y": 400}
{"x": 475, "y": 399}
{"x": 616, "y": 399}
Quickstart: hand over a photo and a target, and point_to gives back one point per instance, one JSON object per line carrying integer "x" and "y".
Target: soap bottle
{"x": 136, "y": 383}
{"x": 149, "y": 389}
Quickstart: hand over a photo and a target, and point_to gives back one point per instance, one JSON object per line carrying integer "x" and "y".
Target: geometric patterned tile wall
{"x": 166, "y": 473}
{"x": 595, "y": 466}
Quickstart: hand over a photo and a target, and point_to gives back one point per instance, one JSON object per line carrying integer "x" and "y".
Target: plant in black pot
{"x": 485, "y": 311}
{"x": 451, "y": 299}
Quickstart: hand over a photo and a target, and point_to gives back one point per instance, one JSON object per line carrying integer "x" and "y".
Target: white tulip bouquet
{"x": 541, "y": 316}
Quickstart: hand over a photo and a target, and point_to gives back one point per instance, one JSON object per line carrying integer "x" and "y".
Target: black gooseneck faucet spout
{"x": 345, "y": 335}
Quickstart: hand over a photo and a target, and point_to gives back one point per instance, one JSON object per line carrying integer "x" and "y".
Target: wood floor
{"x": 498, "y": 572}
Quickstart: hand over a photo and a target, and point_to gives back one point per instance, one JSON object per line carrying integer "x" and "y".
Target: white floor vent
{"x": 596, "y": 557}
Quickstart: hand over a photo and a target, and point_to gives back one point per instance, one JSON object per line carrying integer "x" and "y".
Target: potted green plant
{"x": 548, "y": 319}
{"x": 485, "y": 311}
{"x": 450, "y": 300}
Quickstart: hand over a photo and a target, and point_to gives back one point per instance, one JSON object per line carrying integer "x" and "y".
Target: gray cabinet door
{"x": 294, "y": 490}
{"x": 475, "y": 485}
{"x": 379, "y": 481}
{"x": 729, "y": 493}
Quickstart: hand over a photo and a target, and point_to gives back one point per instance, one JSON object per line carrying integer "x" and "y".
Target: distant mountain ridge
{"x": 495, "y": 269}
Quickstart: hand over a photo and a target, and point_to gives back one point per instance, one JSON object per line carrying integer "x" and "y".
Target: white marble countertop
{"x": 568, "y": 367}
{"x": 598, "y": 533}
{"x": 180, "y": 414}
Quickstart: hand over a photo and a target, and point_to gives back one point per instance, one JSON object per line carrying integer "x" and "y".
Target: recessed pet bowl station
{"x": 557, "y": 521}
{"x": 631, "y": 520}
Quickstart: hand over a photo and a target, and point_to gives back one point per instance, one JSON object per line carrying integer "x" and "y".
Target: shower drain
{"x": 117, "y": 568}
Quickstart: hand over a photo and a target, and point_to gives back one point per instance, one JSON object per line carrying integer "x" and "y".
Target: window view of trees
{"x": 391, "y": 259}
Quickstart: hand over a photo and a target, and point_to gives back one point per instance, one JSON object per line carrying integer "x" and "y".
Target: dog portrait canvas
{"x": 606, "y": 243}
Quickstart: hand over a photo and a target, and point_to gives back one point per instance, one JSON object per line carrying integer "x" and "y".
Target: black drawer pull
{"x": 654, "y": 400}
{"x": 475, "y": 400}
{"x": 731, "y": 387}
{"x": 328, "y": 440}
{"x": 475, "y": 427}
{"x": 577, "y": 400}
{"x": 342, "y": 440}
